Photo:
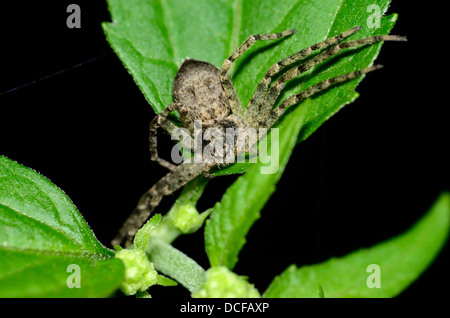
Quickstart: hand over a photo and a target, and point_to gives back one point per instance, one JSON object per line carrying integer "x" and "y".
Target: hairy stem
{"x": 175, "y": 264}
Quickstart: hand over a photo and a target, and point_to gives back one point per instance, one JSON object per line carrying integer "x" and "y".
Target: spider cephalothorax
{"x": 203, "y": 92}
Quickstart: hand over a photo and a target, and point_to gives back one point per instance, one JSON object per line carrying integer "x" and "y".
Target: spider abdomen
{"x": 197, "y": 87}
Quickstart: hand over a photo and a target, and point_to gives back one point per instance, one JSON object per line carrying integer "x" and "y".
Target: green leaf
{"x": 165, "y": 281}
{"x": 241, "y": 204}
{"x": 41, "y": 234}
{"x": 153, "y": 37}
{"x": 401, "y": 260}
{"x": 143, "y": 235}
{"x": 315, "y": 21}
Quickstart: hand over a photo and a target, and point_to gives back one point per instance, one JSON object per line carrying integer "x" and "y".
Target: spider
{"x": 204, "y": 92}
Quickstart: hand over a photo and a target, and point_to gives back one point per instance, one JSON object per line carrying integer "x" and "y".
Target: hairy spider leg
{"x": 267, "y": 104}
{"x": 252, "y": 110}
{"x": 170, "y": 183}
{"x": 235, "y": 105}
{"x": 294, "y": 99}
{"x": 162, "y": 121}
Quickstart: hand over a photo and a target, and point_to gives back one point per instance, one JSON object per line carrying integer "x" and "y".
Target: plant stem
{"x": 166, "y": 231}
{"x": 175, "y": 264}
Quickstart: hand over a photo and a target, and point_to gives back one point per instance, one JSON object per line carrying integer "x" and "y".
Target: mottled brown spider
{"x": 204, "y": 92}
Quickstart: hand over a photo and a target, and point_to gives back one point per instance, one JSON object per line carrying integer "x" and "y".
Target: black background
{"x": 366, "y": 175}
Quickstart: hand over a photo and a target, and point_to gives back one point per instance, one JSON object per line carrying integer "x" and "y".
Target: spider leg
{"x": 171, "y": 182}
{"x": 226, "y": 83}
{"x": 265, "y": 106}
{"x": 263, "y": 86}
{"x": 162, "y": 121}
{"x": 294, "y": 99}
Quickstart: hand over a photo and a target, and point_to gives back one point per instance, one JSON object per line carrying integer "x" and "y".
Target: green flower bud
{"x": 223, "y": 283}
{"x": 139, "y": 271}
{"x": 187, "y": 219}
